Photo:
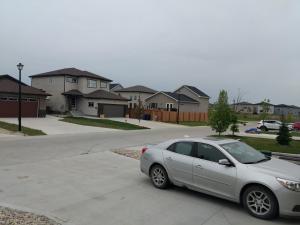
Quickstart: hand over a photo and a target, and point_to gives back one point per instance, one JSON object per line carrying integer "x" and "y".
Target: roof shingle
{"x": 138, "y": 88}
{"x": 71, "y": 72}
{"x": 10, "y": 85}
{"x": 101, "y": 94}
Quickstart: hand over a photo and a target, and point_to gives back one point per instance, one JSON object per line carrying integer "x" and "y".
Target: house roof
{"x": 243, "y": 103}
{"x": 260, "y": 103}
{"x": 101, "y": 94}
{"x": 71, "y": 72}
{"x": 287, "y": 106}
{"x": 111, "y": 86}
{"x": 10, "y": 85}
{"x": 179, "y": 97}
{"x": 73, "y": 92}
{"x": 196, "y": 91}
{"x": 138, "y": 88}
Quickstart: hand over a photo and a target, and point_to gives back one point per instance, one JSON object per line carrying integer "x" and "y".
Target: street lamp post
{"x": 20, "y": 67}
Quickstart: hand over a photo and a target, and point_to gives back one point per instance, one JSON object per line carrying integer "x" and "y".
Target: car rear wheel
{"x": 264, "y": 128}
{"x": 159, "y": 177}
{"x": 260, "y": 202}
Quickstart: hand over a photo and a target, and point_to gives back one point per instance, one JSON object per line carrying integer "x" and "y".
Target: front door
{"x": 209, "y": 175}
{"x": 178, "y": 159}
{"x": 73, "y": 103}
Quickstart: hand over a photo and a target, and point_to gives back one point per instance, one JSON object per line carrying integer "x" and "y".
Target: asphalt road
{"x": 77, "y": 180}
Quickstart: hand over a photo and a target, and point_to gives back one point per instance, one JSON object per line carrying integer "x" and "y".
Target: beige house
{"x": 135, "y": 94}
{"x": 72, "y": 89}
{"x": 187, "y": 98}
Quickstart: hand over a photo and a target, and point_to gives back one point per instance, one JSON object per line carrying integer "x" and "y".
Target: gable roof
{"x": 195, "y": 90}
{"x": 71, "y": 72}
{"x": 73, "y": 92}
{"x": 101, "y": 94}
{"x": 137, "y": 88}
{"x": 111, "y": 86}
{"x": 287, "y": 106}
{"x": 243, "y": 103}
{"x": 10, "y": 85}
{"x": 175, "y": 96}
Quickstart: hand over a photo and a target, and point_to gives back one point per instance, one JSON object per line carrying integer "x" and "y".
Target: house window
{"x": 91, "y": 104}
{"x": 71, "y": 79}
{"x": 169, "y": 106}
{"x": 92, "y": 83}
{"x": 153, "y": 106}
{"x": 130, "y": 98}
{"x": 3, "y": 98}
{"x": 103, "y": 84}
{"x": 130, "y": 105}
{"x": 135, "y": 98}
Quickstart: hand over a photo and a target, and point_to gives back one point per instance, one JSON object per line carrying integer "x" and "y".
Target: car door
{"x": 178, "y": 159}
{"x": 209, "y": 175}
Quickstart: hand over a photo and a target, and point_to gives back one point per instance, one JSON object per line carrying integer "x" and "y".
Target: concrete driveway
{"x": 105, "y": 188}
{"x": 52, "y": 125}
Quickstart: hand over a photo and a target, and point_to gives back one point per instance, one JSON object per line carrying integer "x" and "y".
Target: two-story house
{"x": 186, "y": 98}
{"x": 72, "y": 89}
{"x": 136, "y": 94}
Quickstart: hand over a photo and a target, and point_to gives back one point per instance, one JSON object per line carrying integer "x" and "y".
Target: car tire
{"x": 264, "y": 128}
{"x": 260, "y": 202}
{"x": 159, "y": 177}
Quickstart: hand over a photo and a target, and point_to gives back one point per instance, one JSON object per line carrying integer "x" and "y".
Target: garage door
{"x": 11, "y": 109}
{"x": 112, "y": 110}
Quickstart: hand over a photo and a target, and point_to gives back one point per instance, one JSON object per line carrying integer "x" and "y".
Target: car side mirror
{"x": 225, "y": 162}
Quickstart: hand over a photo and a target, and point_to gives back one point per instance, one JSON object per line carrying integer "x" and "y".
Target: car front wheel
{"x": 260, "y": 202}
{"x": 159, "y": 177}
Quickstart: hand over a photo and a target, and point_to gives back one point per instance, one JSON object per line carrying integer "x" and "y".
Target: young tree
{"x": 220, "y": 114}
{"x": 234, "y": 123}
{"x": 284, "y": 136}
{"x": 265, "y": 104}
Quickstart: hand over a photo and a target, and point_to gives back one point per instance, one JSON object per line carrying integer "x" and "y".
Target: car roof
{"x": 207, "y": 140}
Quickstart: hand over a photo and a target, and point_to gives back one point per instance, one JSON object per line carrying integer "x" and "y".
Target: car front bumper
{"x": 289, "y": 202}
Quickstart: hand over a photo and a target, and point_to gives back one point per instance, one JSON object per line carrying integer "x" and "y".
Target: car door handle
{"x": 169, "y": 158}
{"x": 199, "y": 166}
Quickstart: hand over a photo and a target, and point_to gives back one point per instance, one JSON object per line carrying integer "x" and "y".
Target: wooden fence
{"x": 170, "y": 116}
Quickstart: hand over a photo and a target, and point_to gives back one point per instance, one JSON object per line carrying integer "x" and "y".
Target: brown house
{"x": 33, "y": 99}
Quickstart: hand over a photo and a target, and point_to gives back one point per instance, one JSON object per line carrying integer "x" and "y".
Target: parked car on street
{"x": 228, "y": 169}
{"x": 296, "y": 126}
{"x": 266, "y": 125}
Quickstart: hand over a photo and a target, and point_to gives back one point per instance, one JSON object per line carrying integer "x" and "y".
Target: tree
{"x": 284, "y": 136}
{"x": 234, "y": 123}
{"x": 265, "y": 104}
{"x": 220, "y": 114}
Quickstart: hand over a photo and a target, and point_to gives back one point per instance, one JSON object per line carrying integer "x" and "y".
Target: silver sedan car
{"x": 229, "y": 169}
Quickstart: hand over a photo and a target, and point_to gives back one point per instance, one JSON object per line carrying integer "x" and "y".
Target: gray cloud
{"x": 251, "y": 45}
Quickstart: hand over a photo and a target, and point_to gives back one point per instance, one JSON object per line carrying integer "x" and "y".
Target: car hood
{"x": 279, "y": 168}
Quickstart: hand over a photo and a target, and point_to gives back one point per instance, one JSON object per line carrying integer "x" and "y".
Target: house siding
{"x": 203, "y": 101}
{"x": 161, "y": 100}
{"x": 82, "y": 105}
{"x": 54, "y": 86}
{"x": 127, "y": 95}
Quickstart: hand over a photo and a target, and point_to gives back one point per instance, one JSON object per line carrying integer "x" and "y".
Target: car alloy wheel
{"x": 259, "y": 203}
{"x": 159, "y": 177}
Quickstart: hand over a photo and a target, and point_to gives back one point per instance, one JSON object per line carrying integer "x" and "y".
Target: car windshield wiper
{"x": 258, "y": 161}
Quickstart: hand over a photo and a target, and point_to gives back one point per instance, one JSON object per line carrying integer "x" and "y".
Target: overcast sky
{"x": 249, "y": 45}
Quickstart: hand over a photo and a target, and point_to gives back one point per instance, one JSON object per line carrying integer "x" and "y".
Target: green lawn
{"x": 293, "y": 133}
{"x": 25, "y": 130}
{"x": 102, "y": 123}
{"x": 194, "y": 123}
{"x": 268, "y": 144}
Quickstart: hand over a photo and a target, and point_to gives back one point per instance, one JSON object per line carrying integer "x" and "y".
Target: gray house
{"x": 285, "y": 110}
{"x": 188, "y": 98}
{"x": 135, "y": 94}
{"x": 72, "y": 89}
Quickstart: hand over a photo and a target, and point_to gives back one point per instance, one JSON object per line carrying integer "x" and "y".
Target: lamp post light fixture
{"x": 20, "y": 67}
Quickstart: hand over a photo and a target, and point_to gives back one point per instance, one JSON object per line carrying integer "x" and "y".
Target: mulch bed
{"x": 16, "y": 217}
{"x": 135, "y": 154}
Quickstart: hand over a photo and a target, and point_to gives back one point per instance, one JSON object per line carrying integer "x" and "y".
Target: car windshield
{"x": 244, "y": 153}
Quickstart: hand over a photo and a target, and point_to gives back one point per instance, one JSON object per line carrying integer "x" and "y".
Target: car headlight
{"x": 291, "y": 185}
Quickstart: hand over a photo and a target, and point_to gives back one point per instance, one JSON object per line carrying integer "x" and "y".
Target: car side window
{"x": 209, "y": 152}
{"x": 183, "y": 148}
